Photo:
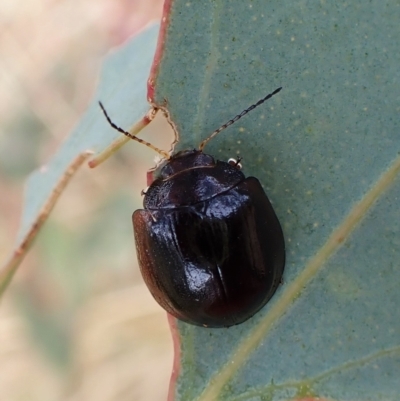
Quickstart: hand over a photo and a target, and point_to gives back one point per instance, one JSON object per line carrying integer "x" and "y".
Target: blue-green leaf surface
{"x": 326, "y": 150}
{"x": 123, "y": 90}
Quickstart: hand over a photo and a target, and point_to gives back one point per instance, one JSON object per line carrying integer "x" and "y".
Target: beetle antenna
{"x": 134, "y": 137}
{"x": 234, "y": 119}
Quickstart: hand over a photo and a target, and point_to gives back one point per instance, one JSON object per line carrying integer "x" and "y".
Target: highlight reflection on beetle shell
{"x": 217, "y": 261}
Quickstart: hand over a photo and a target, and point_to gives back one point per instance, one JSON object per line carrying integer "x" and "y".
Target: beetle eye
{"x": 236, "y": 163}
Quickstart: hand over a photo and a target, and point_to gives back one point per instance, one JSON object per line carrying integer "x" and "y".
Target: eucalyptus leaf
{"x": 123, "y": 90}
{"x": 326, "y": 150}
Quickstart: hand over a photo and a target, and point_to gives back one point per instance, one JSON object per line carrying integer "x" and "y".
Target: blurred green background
{"x": 77, "y": 322}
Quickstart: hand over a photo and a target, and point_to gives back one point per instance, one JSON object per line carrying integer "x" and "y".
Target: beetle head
{"x": 185, "y": 160}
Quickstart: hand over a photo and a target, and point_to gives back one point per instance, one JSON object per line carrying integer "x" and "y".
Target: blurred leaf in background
{"x": 83, "y": 327}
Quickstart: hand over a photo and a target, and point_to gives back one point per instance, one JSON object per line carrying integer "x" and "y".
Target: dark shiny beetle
{"x": 210, "y": 247}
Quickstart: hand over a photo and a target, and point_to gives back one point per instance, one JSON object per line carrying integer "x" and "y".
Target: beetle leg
{"x": 152, "y": 216}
